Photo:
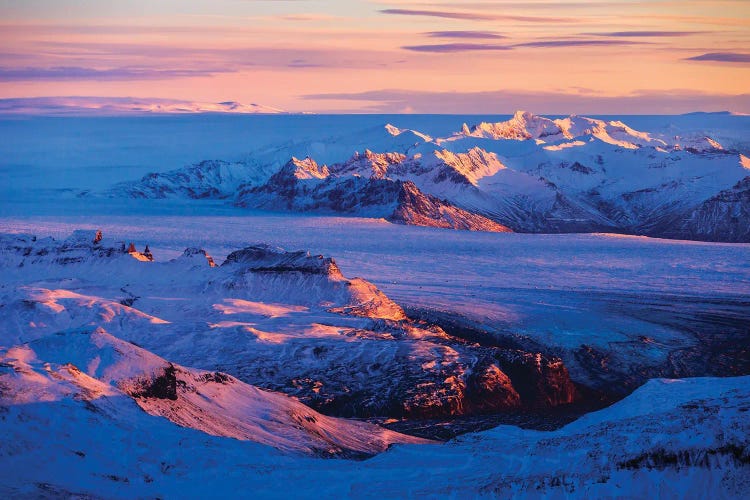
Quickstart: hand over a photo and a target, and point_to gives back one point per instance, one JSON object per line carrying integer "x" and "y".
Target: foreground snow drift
{"x": 670, "y": 439}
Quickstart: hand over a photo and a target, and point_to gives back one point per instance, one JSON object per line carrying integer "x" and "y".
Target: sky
{"x": 386, "y": 56}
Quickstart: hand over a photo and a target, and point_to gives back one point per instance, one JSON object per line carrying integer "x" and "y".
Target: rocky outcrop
{"x": 192, "y": 252}
{"x": 159, "y": 386}
{"x": 541, "y": 381}
{"x": 265, "y": 258}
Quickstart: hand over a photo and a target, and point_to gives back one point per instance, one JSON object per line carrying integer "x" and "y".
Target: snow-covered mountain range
{"x": 526, "y": 174}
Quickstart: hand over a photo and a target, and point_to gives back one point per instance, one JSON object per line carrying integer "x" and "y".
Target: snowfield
{"x": 301, "y": 352}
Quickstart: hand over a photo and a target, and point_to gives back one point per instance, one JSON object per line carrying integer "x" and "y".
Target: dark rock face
{"x": 492, "y": 389}
{"x": 431, "y": 376}
{"x": 578, "y": 167}
{"x": 416, "y": 208}
{"x": 296, "y": 179}
{"x": 541, "y": 381}
{"x": 394, "y": 200}
{"x": 724, "y": 217}
{"x": 661, "y": 459}
{"x": 264, "y": 258}
{"x": 217, "y": 377}
{"x": 163, "y": 386}
{"x": 206, "y": 179}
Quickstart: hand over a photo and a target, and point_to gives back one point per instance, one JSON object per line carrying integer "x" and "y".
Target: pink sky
{"x": 592, "y": 56}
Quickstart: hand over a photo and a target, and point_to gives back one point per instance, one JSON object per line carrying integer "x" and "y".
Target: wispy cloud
{"x": 725, "y": 57}
{"x": 129, "y": 61}
{"x": 577, "y": 43}
{"x": 456, "y": 47}
{"x": 471, "y": 16}
{"x": 62, "y": 29}
{"x": 444, "y": 48}
{"x": 647, "y": 34}
{"x": 475, "y": 16}
{"x": 310, "y": 17}
{"x": 479, "y": 35}
{"x": 705, "y": 20}
{"x": 506, "y": 101}
{"x": 302, "y": 63}
{"x": 82, "y": 73}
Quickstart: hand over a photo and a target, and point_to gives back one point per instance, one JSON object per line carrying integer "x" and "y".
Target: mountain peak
{"x": 521, "y": 114}
{"x": 306, "y": 169}
{"x": 369, "y": 164}
{"x": 392, "y": 129}
{"x": 395, "y": 131}
{"x": 522, "y": 126}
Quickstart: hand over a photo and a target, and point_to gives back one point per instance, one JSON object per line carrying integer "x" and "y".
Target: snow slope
{"x": 668, "y": 439}
{"x": 88, "y": 386}
{"x": 101, "y": 373}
